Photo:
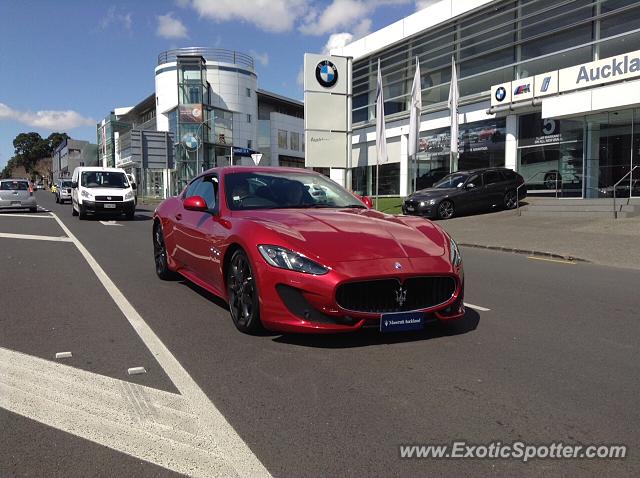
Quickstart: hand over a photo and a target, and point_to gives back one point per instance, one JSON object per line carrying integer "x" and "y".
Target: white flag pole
{"x": 414, "y": 124}
{"x": 381, "y": 140}
{"x": 453, "y": 109}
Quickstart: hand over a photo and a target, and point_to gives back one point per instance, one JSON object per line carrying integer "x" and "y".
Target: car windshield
{"x": 104, "y": 179}
{"x": 66, "y": 184}
{"x": 278, "y": 190}
{"x": 451, "y": 181}
{"x": 14, "y": 185}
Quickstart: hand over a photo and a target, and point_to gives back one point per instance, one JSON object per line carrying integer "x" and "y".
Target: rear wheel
{"x": 446, "y": 209}
{"x": 160, "y": 255}
{"x": 510, "y": 200}
{"x": 243, "y": 294}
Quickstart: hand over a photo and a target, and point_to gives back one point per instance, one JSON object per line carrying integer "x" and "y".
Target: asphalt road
{"x": 555, "y": 359}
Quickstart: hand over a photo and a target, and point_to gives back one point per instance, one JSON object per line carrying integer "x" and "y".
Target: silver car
{"x": 63, "y": 190}
{"x": 17, "y": 194}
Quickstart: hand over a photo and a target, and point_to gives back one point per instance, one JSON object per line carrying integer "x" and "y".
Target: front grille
{"x": 392, "y": 295}
{"x": 108, "y": 198}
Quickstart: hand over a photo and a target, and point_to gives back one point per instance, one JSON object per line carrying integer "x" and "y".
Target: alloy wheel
{"x": 510, "y": 200}
{"x": 242, "y": 294}
{"x": 445, "y": 210}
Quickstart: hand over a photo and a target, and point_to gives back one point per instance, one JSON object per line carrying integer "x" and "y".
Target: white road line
{"x": 48, "y": 216}
{"x": 110, "y": 223}
{"x": 149, "y": 424}
{"x": 8, "y": 235}
{"x": 477, "y": 307}
{"x": 230, "y": 449}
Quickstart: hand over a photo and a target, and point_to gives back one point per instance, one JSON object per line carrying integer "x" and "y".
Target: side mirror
{"x": 367, "y": 201}
{"x": 74, "y": 185}
{"x": 470, "y": 186}
{"x": 134, "y": 186}
{"x": 195, "y": 203}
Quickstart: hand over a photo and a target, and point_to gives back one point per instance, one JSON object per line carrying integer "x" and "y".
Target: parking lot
{"x": 548, "y": 352}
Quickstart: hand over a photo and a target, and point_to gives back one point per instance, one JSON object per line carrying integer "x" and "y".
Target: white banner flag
{"x": 381, "y": 140}
{"x": 415, "y": 108}
{"x": 453, "y": 106}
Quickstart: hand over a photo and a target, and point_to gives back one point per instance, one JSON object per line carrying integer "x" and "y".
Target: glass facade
{"x": 580, "y": 157}
{"x": 501, "y": 42}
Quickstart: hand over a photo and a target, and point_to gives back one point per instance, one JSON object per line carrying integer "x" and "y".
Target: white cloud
{"x": 113, "y": 17}
{"x": 337, "y": 40}
{"x": 170, "y": 27}
{"x": 262, "y": 58}
{"x": 269, "y": 15}
{"x": 46, "y": 119}
{"x": 420, "y": 4}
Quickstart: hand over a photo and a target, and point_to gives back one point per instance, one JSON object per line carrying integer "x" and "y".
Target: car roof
{"x": 482, "y": 170}
{"x": 99, "y": 168}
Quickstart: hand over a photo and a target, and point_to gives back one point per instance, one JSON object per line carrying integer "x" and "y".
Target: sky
{"x": 65, "y": 64}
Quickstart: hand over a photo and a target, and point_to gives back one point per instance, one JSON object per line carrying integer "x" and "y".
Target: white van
{"x": 102, "y": 191}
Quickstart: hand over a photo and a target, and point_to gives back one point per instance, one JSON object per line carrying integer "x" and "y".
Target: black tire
{"x": 81, "y": 212}
{"x": 130, "y": 215}
{"x": 510, "y": 199}
{"x": 73, "y": 210}
{"x": 550, "y": 180}
{"x": 242, "y": 294}
{"x": 160, "y": 255}
{"x": 33, "y": 209}
{"x": 446, "y": 210}
{"x": 57, "y": 199}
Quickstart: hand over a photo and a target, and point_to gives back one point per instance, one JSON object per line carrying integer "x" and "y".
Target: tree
{"x": 55, "y": 139}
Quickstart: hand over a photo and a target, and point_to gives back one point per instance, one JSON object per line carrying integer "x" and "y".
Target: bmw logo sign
{"x": 326, "y": 73}
{"x": 501, "y": 93}
{"x": 190, "y": 141}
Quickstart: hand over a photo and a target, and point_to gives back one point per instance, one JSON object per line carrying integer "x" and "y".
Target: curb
{"x": 528, "y": 252}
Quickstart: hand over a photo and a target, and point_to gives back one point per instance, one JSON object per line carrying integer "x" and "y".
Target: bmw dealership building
{"x": 549, "y": 89}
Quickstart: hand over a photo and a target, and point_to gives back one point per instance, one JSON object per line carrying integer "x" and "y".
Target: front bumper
{"x": 293, "y": 302}
{"x": 115, "y": 207}
{"x": 419, "y": 208}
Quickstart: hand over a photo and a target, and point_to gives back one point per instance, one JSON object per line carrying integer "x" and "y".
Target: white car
{"x": 98, "y": 190}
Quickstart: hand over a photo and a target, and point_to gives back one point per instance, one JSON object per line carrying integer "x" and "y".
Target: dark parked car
{"x": 467, "y": 191}
{"x": 431, "y": 177}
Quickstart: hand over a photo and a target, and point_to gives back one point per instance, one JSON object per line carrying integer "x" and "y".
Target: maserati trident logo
{"x": 401, "y": 296}
{"x": 397, "y": 265}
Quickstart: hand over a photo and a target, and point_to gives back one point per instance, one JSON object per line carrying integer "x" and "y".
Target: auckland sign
{"x": 615, "y": 68}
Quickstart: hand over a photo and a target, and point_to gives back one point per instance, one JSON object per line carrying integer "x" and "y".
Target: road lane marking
{"x": 110, "y": 223}
{"x": 230, "y": 449}
{"x": 476, "y": 307}
{"x": 60, "y": 355}
{"x": 8, "y": 235}
{"x": 560, "y": 261}
{"x": 136, "y": 370}
{"x": 152, "y": 425}
{"x": 48, "y": 216}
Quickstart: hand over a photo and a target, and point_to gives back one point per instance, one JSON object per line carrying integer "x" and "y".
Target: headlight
{"x": 454, "y": 253}
{"x": 285, "y": 259}
{"x": 129, "y": 195}
{"x": 431, "y": 202}
{"x": 86, "y": 194}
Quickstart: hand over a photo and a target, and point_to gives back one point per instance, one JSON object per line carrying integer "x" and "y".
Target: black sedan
{"x": 467, "y": 191}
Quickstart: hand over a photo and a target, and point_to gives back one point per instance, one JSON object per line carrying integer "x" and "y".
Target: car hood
{"x": 352, "y": 234}
{"x": 432, "y": 193}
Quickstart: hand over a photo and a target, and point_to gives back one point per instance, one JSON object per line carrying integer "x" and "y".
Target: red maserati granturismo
{"x": 292, "y": 251}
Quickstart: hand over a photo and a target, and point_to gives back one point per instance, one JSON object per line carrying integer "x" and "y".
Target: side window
{"x": 207, "y": 188}
{"x": 492, "y": 177}
{"x": 476, "y": 180}
{"x": 192, "y": 188}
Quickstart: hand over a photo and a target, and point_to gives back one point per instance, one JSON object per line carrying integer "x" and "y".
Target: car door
{"x": 473, "y": 198}
{"x": 204, "y": 233}
{"x": 494, "y": 185}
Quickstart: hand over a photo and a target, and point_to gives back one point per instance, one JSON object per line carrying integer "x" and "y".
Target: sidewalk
{"x": 602, "y": 241}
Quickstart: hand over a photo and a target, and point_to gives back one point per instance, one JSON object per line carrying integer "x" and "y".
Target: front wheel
{"x": 81, "y": 212}
{"x": 73, "y": 210}
{"x": 57, "y": 199}
{"x": 510, "y": 200}
{"x": 243, "y": 294}
{"x": 446, "y": 209}
{"x": 160, "y": 255}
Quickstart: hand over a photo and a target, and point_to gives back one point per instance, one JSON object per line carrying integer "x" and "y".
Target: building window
{"x": 295, "y": 141}
{"x": 248, "y": 92}
{"x": 248, "y": 118}
{"x": 249, "y": 144}
{"x": 282, "y": 139}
